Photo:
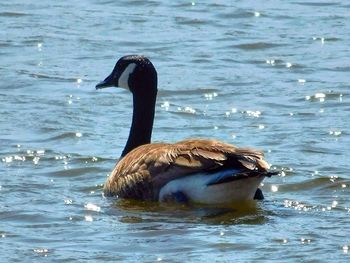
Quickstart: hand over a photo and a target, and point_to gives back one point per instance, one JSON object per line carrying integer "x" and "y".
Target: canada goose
{"x": 193, "y": 170}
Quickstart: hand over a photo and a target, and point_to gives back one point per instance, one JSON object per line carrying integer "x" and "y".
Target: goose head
{"x": 134, "y": 73}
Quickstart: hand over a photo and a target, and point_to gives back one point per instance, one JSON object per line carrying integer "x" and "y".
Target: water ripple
{"x": 271, "y": 75}
{"x": 13, "y": 14}
{"x": 257, "y": 46}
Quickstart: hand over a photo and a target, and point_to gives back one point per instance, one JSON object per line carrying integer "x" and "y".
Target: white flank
{"x": 196, "y": 189}
{"x": 123, "y": 81}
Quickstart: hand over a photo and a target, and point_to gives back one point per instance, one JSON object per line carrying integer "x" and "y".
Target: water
{"x": 273, "y": 75}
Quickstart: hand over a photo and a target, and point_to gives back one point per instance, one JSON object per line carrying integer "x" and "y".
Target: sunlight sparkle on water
{"x": 317, "y": 96}
{"x": 255, "y": 114}
{"x": 186, "y": 110}
{"x": 19, "y": 158}
{"x": 89, "y": 218}
{"x": 322, "y": 39}
{"x": 165, "y": 105}
{"x": 210, "y": 96}
{"x": 7, "y": 159}
{"x": 68, "y": 201}
{"x": 320, "y": 96}
{"x": 335, "y": 133}
{"x": 190, "y": 110}
{"x": 334, "y": 204}
{"x": 70, "y": 100}
{"x": 333, "y": 178}
{"x": 57, "y": 157}
{"x": 30, "y": 152}
{"x": 36, "y": 160}
{"x": 274, "y": 188}
{"x": 39, "y": 46}
{"x": 92, "y": 207}
{"x": 41, "y": 251}
{"x": 40, "y": 152}
{"x": 314, "y": 173}
{"x": 305, "y": 241}
{"x": 298, "y": 206}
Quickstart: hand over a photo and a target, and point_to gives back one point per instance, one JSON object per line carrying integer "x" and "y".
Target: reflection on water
{"x": 240, "y": 213}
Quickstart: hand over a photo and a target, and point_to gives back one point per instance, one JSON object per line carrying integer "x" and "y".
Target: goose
{"x": 205, "y": 171}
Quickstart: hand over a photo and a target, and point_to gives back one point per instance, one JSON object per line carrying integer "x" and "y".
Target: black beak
{"x": 108, "y": 82}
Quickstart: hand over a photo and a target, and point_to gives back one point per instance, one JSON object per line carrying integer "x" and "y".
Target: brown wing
{"x": 142, "y": 172}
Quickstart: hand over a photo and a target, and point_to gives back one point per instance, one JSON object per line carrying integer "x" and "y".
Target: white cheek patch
{"x": 123, "y": 81}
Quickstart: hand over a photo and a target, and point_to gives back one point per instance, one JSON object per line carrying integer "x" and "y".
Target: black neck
{"x": 142, "y": 121}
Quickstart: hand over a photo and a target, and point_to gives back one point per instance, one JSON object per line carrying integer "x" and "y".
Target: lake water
{"x": 272, "y": 75}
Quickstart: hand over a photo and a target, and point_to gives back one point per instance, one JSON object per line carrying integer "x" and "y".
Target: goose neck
{"x": 142, "y": 121}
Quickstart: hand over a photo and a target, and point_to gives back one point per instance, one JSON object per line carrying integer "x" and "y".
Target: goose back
{"x": 146, "y": 169}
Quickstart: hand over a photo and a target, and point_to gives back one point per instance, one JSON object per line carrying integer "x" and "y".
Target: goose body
{"x": 193, "y": 170}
